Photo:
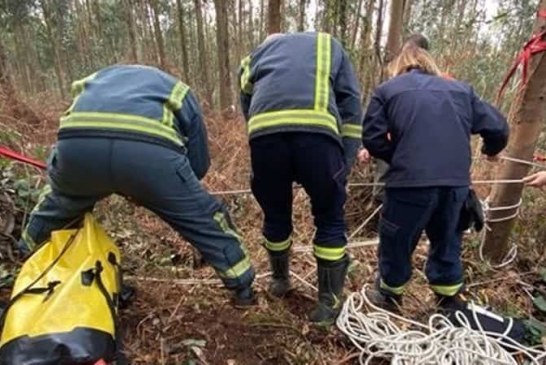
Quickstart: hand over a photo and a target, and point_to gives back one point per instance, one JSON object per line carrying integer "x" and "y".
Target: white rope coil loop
{"x": 512, "y": 254}
{"x": 381, "y": 334}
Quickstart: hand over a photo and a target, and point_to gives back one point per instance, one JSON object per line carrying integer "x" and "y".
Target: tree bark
{"x": 301, "y": 15}
{"x": 158, "y": 33}
{"x": 357, "y": 23}
{"x": 182, "y": 34}
{"x": 527, "y": 115}
{"x": 222, "y": 40}
{"x": 54, "y": 45}
{"x": 394, "y": 38}
{"x": 203, "y": 64}
{"x": 131, "y": 29}
{"x": 274, "y": 16}
{"x": 342, "y": 21}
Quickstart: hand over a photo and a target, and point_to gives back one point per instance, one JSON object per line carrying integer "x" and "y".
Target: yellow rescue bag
{"x": 63, "y": 307}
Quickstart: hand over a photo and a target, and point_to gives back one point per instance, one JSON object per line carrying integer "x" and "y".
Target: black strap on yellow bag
{"x": 63, "y": 309}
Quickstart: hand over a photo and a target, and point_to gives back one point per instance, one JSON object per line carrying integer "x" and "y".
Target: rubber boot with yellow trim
{"x": 384, "y": 298}
{"x": 331, "y": 280}
{"x": 244, "y": 298}
{"x": 451, "y": 302}
{"x": 280, "y": 280}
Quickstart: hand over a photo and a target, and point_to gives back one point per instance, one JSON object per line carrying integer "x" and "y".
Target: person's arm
{"x": 491, "y": 125}
{"x": 190, "y": 122}
{"x": 348, "y": 101}
{"x": 375, "y": 134}
{"x": 245, "y": 94}
{"x": 537, "y": 180}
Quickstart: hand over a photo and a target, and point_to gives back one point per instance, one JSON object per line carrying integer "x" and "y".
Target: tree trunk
{"x": 527, "y": 115}
{"x": 394, "y": 39}
{"x": 222, "y": 40}
{"x": 131, "y": 29}
{"x": 250, "y": 24}
{"x": 357, "y": 23}
{"x": 54, "y": 45}
{"x": 342, "y": 21}
{"x": 366, "y": 53}
{"x": 182, "y": 34}
{"x": 262, "y": 20}
{"x": 274, "y": 16}
{"x": 158, "y": 34}
{"x": 5, "y": 81}
{"x": 301, "y": 15}
{"x": 203, "y": 64}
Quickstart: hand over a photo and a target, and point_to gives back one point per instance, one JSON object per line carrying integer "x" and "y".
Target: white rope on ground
{"x": 379, "y": 334}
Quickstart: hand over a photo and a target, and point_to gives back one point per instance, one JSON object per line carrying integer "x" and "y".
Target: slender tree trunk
{"x": 394, "y": 39}
{"x": 250, "y": 24}
{"x": 527, "y": 116}
{"x": 182, "y": 34}
{"x": 222, "y": 40}
{"x": 301, "y": 15}
{"x": 203, "y": 63}
{"x": 342, "y": 21}
{"x": 158, "y": 33}
{"x": 128, "y": 4}
{"x": 55, "y": 47}
{"x": 274, "y": 16}
{"x": 366, "y": 53}
{"x": 357, "y": 23}
{"x": 262, "y": 20}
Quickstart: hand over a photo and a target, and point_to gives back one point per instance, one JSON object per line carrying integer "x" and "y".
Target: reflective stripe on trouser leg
{"x": 243, "y": 266}
{"x": 28, "y": 241}
{"x": 278, "y": 246}
{"x": 396, "y": 290}
{"x": 447, "y": 290}
{"x": 328, "y": 253}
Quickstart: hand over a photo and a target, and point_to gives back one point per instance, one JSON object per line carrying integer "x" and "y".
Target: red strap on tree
{"x": 535, "y": 45}
{"x": 539, "y": 158}
{"x": 6, "y": 152}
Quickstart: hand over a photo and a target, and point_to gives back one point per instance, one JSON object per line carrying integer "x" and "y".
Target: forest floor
{"x": 182, "y": 316}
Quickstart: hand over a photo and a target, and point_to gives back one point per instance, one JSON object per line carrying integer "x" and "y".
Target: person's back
{"x": 138, "y": 132}
{"x": 431, "y": 120}
{"x": 301, "y": 99}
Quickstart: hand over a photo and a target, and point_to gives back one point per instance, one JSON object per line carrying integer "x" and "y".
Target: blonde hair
{"x": 411, "y": 57}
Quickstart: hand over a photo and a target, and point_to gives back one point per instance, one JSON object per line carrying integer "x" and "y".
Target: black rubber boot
{"x": 244, "y": 298}
{"x": 331, "y": 280}
{"x": 388, "y": 302}
{"x": 384, "y": 299}
{"x": 280, "y": 283}
{"x": 455, "y": 302}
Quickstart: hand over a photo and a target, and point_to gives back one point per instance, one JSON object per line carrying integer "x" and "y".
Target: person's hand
{"x": 537, "y": 180}
{"x": 363, "y": 156}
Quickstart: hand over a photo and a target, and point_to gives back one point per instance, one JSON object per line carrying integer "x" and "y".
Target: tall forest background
{"x": 46, "y": 44}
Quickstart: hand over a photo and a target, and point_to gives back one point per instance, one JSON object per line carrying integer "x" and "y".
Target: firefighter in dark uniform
{"x": 301, "y": 99}
{"x": 420, "y": 123}
{"x": 138, "y": 132}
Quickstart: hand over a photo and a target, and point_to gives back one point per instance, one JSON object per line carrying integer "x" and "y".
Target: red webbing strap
{"x": 6, "y": 152}
{"x": 535, "y": 45}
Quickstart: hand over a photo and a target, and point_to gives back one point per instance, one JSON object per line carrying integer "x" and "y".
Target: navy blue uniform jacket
{"x": 430, "y": 121}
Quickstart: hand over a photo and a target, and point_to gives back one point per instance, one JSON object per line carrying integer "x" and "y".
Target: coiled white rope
{"x": 512, "y": 254}
{"x": 381, "y": 334}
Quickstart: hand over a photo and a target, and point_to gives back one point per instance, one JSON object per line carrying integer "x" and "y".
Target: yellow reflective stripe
{"x": 278, "y": 246}
{"x": 447, "y": 290}
{"x": 78, "y": 86}
{"x": 246, "y": 85}
{"x": 329, "y": 253}
{"x": 77, "y": 89}
{"x": 174, "y": 103}
{"x": 398, "y": 290}
{"x": 292, "y": 118}
{"x": 351, "y": 130}
{"x": 124, "y": 122}
{"x": 242, "y": 266}
{"x": 237, "y": 270}
{"x": 322, "y": 77}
